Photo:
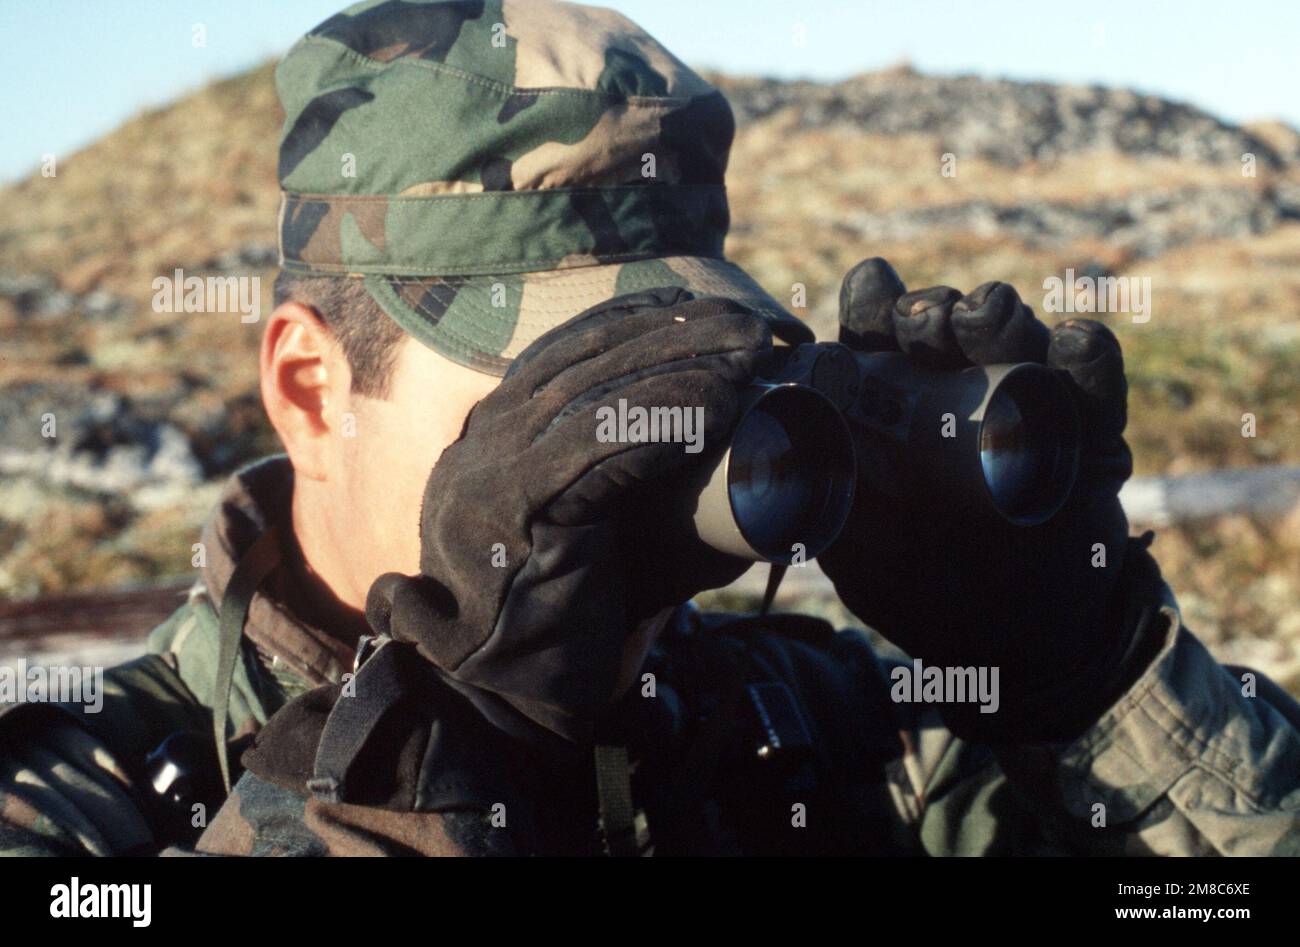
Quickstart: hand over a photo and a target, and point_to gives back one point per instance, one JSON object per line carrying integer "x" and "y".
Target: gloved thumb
{"x": 396, "y": 604}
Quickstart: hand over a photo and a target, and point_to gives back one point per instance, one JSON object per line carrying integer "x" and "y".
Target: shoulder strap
{"x": 253, "y": 567}
{"x": 614, "y": 795}
{"x": 354, "y": 718}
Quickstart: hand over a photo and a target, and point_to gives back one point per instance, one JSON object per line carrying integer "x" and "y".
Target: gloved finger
{"x": 600, "y": 456}
{"x": 867, "y": 297}
{"x": 696, "y": 328}
{"x": 731, "y": 349}
{"x": 729, "y": 344}
{"x": 727, "y": 348}
{"x": 604, "y": 344}
{"x": 593, "y": 331}
{"x": 992, "y": 325}
{"x": 393, "y": 598}
{"x": 1091, "y": 354}
{"x": 419, "y": 611}
{"x": 564, "y": 347}
{"x": 379, "y": 601}
{"x": 923, "y": 327}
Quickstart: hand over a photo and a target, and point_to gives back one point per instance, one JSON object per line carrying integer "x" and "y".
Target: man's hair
{"x": 368, "y": 336}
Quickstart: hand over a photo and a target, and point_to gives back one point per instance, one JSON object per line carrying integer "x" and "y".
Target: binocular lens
{"x": 791, "y": 473}
{"x": 1028, "y": 448}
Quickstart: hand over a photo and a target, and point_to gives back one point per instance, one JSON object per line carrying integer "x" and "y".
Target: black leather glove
{"x": 592, "y": 549}
{"x": 954, "y": 589}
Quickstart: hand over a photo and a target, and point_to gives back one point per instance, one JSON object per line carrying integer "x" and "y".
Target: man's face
{"x": 361, "y": 463}
{"x": 382, "y": 470}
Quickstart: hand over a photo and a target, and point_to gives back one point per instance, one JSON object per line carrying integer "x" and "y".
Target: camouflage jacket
{"x": 1187, "y": 762}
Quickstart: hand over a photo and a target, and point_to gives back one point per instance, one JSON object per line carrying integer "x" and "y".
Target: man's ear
{"x": 306, "y": 385}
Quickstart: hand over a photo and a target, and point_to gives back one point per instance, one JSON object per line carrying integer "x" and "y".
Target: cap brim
{"x": 483, "y": 322}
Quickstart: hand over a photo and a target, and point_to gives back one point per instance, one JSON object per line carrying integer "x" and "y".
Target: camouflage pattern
{"x": 69, "y": 780}
{"x": 1184, "y": 763}
{"x": 491, "y": 168}
{"x": 263, "y": 819}
{"x": 459, "y": 318}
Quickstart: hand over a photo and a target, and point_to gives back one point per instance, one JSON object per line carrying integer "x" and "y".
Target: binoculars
{"x": 823, "y": 422}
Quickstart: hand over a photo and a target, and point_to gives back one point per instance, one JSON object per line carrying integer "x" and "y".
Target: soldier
{"x": 450, "y": 620}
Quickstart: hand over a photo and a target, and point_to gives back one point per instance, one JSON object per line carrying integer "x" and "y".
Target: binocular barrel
{"x": 783, "y": 490}
{"x": 999, "y": 441}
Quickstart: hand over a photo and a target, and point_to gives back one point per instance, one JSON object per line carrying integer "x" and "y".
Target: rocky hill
{"x": 1012, "y": 122}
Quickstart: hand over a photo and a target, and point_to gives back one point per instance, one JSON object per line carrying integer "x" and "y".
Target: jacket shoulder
{"x": 189, "y": 641}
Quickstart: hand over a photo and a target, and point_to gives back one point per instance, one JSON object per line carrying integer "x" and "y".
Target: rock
{"x": 37, "y": 296}
{"x": 1284, "y": 139}
{"x": 28, "y": 292}
{"x": 246, "y": 256}
{"x": 1288, "y": 200}
{"x": 1013, "y": 122}
{"x": 102, "y": 444}
{"x": 24, "y": 286}
{"x": 85, "y": 276}
{"x": 1144, "y": 225}
{"x": 102, "y": 305}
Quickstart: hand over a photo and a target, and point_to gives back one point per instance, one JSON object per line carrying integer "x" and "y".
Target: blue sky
{"x": 75, "y": 69}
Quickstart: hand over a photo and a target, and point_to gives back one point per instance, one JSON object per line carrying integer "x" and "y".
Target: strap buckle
{"x": 367, "y": 645}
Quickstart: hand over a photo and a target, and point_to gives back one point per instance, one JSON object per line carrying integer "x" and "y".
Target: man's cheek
{"x": 386, "y": 489}
{"x": 396, "y": 495}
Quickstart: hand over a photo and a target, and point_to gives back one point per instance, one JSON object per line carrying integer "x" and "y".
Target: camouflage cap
{"x": 491, "y": 168}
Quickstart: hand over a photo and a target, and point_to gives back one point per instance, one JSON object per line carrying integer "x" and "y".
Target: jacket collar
{"x": 255, "y": 498}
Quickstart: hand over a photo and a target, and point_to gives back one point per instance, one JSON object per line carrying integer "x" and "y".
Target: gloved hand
{"x": 589, "y": 548}
{"x": 953, "y": 589}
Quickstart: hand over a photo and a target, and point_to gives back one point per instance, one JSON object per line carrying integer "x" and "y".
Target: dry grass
{"x": 775, "y": 165}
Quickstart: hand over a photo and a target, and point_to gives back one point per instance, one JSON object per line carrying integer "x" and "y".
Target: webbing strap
{"x": 253, "y": 567}
{"x": 774, "y": 577}
{"x": 614, "y": 792}
{"x": 379, "y": 685}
